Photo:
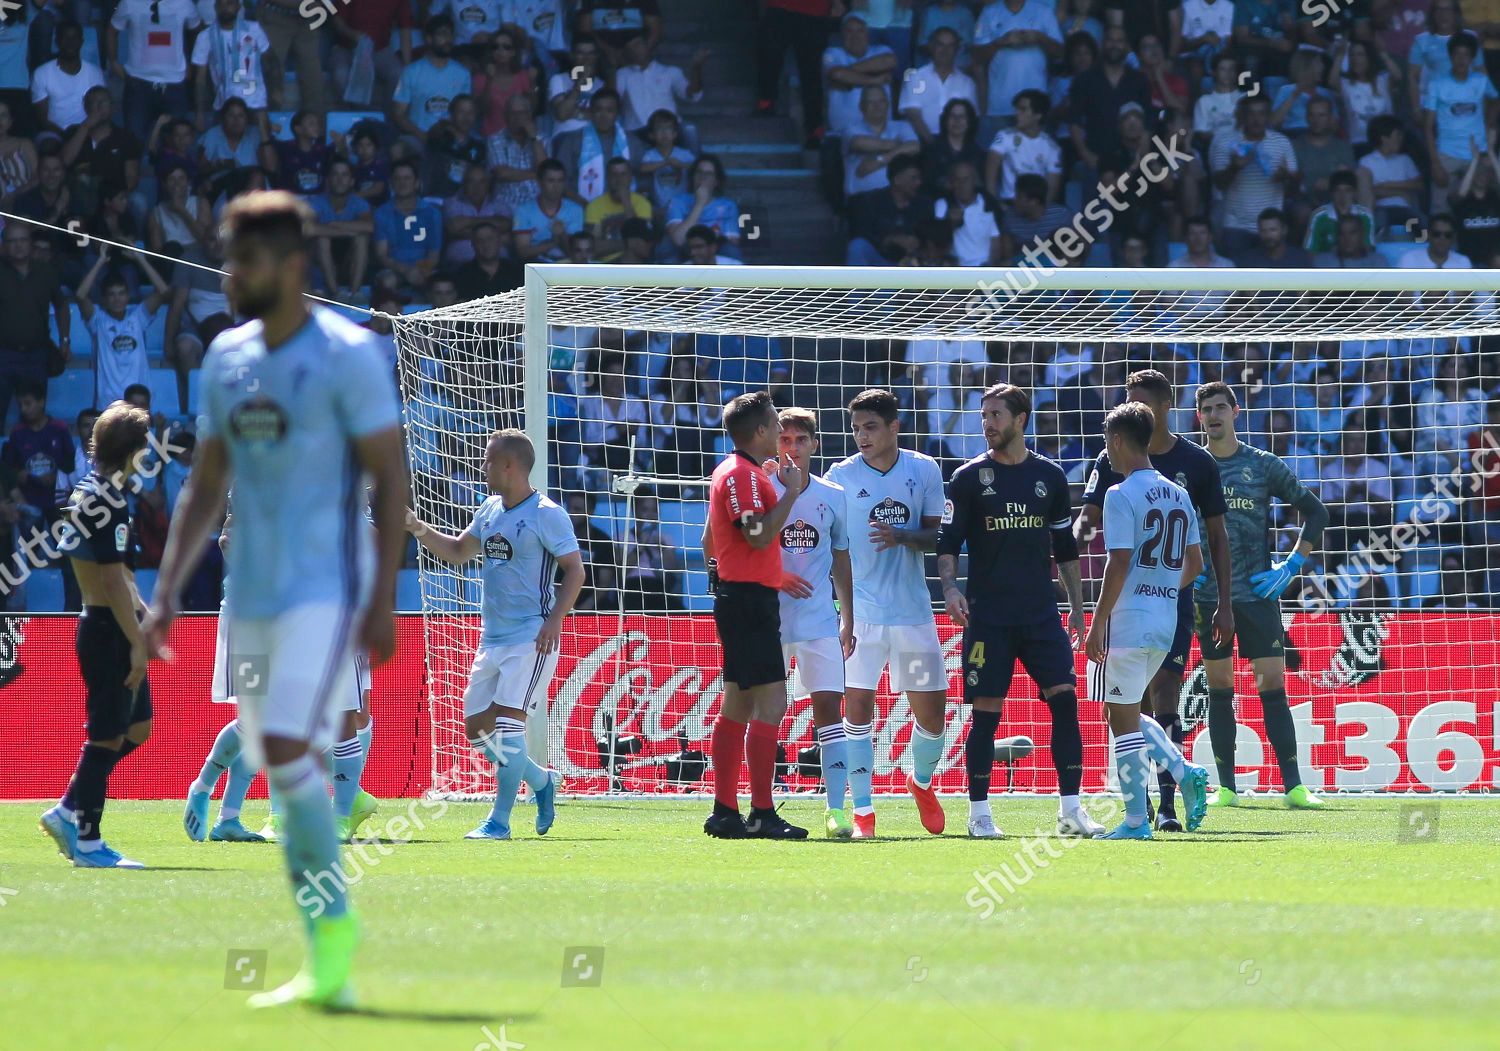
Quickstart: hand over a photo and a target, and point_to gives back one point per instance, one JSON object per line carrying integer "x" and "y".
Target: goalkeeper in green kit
{"x": 1251, "y": 479}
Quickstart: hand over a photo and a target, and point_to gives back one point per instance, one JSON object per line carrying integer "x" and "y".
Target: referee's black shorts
{"x": 104, "y": 659}
{"x": 748, "y": 617}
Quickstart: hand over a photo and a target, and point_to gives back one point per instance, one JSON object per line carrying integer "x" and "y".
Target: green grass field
{"x": 1347, "y": 929}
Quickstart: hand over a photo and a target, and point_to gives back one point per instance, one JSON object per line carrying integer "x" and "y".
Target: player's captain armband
{"x": 947, "y": 512}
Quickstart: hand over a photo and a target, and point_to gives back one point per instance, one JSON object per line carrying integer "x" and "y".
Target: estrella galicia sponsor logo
{"x": 258, "y": 420}
{"x": 124, "y": 343}
{"x": 890, "y": 511}
{"x": 799, "y": 536}
{"x": 497, "y": 549}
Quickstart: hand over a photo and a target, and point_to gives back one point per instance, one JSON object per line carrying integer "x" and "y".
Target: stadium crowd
{"x": 442, "y": 145}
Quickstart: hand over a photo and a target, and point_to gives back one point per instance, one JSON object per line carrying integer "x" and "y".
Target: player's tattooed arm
{"x": 956, "y": 606}
{"x": 1072, "y": 581}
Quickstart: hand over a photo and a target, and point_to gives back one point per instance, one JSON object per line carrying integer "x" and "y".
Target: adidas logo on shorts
{"x": 1114, "y": 691}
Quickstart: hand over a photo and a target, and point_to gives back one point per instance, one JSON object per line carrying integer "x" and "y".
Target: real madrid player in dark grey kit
{"x": 1252, "y": 478}
{"x": 111, "y": 648}
{"x": 1190, "y": 466}
{"x": 1010, "y": 507}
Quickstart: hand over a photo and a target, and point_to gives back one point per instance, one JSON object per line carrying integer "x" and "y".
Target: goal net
{"x": 1378, "y": 388}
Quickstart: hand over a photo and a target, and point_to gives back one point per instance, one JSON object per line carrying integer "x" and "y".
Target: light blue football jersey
{"x": 289, "y": 419}
{"x": 1154, "y": 519}
{"x": 519, "y": 548}
{"x": 814, "y": 530}
{"x": 890, "y": 587}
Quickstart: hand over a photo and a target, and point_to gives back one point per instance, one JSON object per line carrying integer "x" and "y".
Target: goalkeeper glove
{"x": 1270, "y": 583}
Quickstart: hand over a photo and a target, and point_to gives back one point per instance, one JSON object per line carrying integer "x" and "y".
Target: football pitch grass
{"x": 1374, "y": 924}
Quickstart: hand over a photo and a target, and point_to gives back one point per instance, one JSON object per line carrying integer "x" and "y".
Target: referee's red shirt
{"x": 740, "y": 487}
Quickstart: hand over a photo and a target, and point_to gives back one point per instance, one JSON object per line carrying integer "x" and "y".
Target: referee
{"x": 111, "y": 649}
{"x": 744, "y": 522}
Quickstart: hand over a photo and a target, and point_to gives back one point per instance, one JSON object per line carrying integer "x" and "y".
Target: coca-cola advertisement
{"x": 1383, "y": 702}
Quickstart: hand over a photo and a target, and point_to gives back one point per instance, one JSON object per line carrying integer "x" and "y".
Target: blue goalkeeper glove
{"x": 1270, "y": 583}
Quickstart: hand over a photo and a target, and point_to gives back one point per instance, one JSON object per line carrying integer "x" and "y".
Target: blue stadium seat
{"x": 1176, "y": 250}
{"x": 195, "y": 384}
{"x": 70, "y": 393}
{"x": 81, "y": 343}
{"x": 156, "y": 332}
{"x": 697, "y": 599}
{"x": 1394, "y": 250}
{"x": 145, "y": 583}
{"x": 1420, "y": 574}
{"x": 464, "y": 597}
{"x": 90, "y": 51}
{"x": 44, "y": 591}
{"x": 163, "y": 384}
{"x": 409, "y": 591}
{"x": 281, "y": 122}
{"x": 682, "y": 523}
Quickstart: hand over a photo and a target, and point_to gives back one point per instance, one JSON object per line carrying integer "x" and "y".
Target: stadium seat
{"x": 1176, "y": 250}
{"x": 163, "y": 384}
{"x": 1394, "y": 250}
{"x": 408, "y": 591}
{"x": 145, "y": 583}
{"x": 81, "y": 343}
{"x": 44, "y": 591}
{"x": 281, "y": 123}
{"x": 1419, "y": 574}
{"x": 697, "y": 599}
{"x": 70, "y": 393}
{"x": 156, "y": 332}
{"x": 90, "y": 50}
{"x": 195, "y": 384}
{"x": 343, "y": 121}
{"x": 682, "y": 523}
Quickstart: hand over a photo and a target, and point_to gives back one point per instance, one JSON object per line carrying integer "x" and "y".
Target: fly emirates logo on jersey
{"x": 1238, "y": 503}
{"x": 1016, "y": 516}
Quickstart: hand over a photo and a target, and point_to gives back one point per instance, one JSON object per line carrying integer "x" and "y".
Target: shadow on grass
{"x": 431, "y": 1017}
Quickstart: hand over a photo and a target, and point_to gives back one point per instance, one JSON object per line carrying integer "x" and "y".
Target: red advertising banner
{"x": 1383, "y": 702}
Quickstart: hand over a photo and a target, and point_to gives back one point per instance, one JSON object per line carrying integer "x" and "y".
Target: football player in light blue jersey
{"x": 894, "y": 500}
{"x": 300, "y": 410}
{"x": 523, "y": 538}
{"x": 817, "y": 636}
{"x": 1152, "y": 534}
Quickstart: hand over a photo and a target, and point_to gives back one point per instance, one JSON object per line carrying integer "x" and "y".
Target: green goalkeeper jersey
{"x": 1251, "y": 478}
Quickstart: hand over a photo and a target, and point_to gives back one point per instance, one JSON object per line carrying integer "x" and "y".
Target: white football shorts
{"x": 514, "y": 676}
{"x": 912, "y": 651}
{"x": 816, "y": 666}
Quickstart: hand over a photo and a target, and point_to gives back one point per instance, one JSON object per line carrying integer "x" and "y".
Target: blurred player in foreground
{"x": 1252, "y": 478}
{"x": 524, "y": 537}
{"x": 300, "y": 412}
{"x": 1010, "y": 508}
{"x": 1152, "y": 536}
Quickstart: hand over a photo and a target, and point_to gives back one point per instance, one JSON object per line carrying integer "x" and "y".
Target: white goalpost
{"x": 1378, "y": 387}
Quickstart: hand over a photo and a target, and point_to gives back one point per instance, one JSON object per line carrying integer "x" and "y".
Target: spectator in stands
{"x": 475, "y": 202}
{"x": 295, "y": 34}
{"x": 542, "y": 226}
{"x": 1476, "y": 208}
{"x": 83, "y": 435}
{"x": 383, "y": 301}
{"x": 1207, "y": 30}
{"x": 387, "y": 25}
{"x": 515, "y": 153}
{"x": 1265, "y": 34}
{"x": 1082, "y": 53}
{"x": 607, "y": 213}
{"x": 98, "y": 149}
{"x": 474, "y": 23}
{"x": 1214, "y": 111}
{"x": 1323, "y": 225}
{"x": 17, "y": 158}
{"x": 426, "y": 86}
{"x": 299, "y": 163}
{"x": 639, "y": 241}
{"x": 1454, "y": 588}
{"x": 372, "y": 170}
{"x": 609, "y": 416}
{"x": 1320, "y": 153}
{"x": 648, "y": 564}
{"x": 1429, "y": 56}
{"x": 178, "y": 468}
{"x": 198, "y": 313}
{"x": 345, "y": 224}
{"x": 1136, "y": 163}
{"x": 153, "y": 63}
{"x": 453, "y": 145}
{"x": 1352, "y": 249}
{"x": 1081, "y": 16}
{"x": 49, "y": 201}
{"x": 58, "y": 86}
{"x": 441, "y": 291}
{"x": 569, "y": 93}
{"x": 488, "y": 273}
{"x": 226, "y": 63}
{"x": 614, "y": 22}
{"x": 1024, "y": 150}
{"x": 408, "y": 230}
{"x": 1356, "y": 486}
{"x": 664, "y": 164}
{"x": 1031, "y": 222}
{"x": 1390, "y": 184}
{"x": 545, "y": 29}
{"x": 580, "y": 248}
{"x": 40, "y": 453}
{"x": 1437, "y": 253}
{"x": 114, "y": 221}
{"x": 505, "y": 77}
{"x": 852, "y": 65}
{"x": 1274, "y": 252}
{"x": 119, "y": 329}
{"x": 1289, "y": 108}
{"x": 1013, "y": 42}
{"x": 974, "y": 216}
{"x": 1366, "y": 87}
{"x": 702, "y": 245}
{"x": 686, "y": 419}
{"x": 871, "y": 142}
{"x": 927, "y": 90}
{"x": 182, "y": 219}
{"x": 801, "y": 25}
{"x": 1446, "y": 413}
{"x": 231, "y": 143}
{"x": 585, "y": 152}
{"x": 174, "y": 143}
{"x": 705, "y": 204}
{"x": 883, "y": 223}
{"x": 1252, "y": 166}
{"x": 600, "y": 580}
{"x": 1098, "y": 96}
{"x": 646, "y": 85}
{"x": 1457, "y": 109}
{"x": 1169, "y": 91}
{"x": 1200, "y": 247}
{"x": 956, "y": 141}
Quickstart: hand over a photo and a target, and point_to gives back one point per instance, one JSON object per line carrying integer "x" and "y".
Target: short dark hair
{"x": 1342, "y": 177}
{"x": 748, "y": 413}
{"x": 281, "y": 219}
{"x": 119, "y": 433}
{"x": 804, "y": 420}
{"x": 407, "y": 163}
{"x": 881, "y": 402}
{"x": 136, "y": 388}
{"x": 1031, "y": 185}
{"x": 1442, "y": 217}
{"x": 1036, "y": 98}
{"x": 1134, "y": 422}
{"x": 615, "y": 162}
{"x": 1152, "y": 381}
{"x": 551, "y": 164}
{"x": 1215, "y": 389}
{"x": 636, "y": 227}
{"x": 1016, "y": 399}
{"x": 436, "y": 22}
{"x": 1380, "y": 127}
{"x": 26, "y": 387}
{"x": 517, "y": 443}
{"x": 604, "y": 95}
{"x": 1271, "y": 213}
{"x": 1198, "y": 220}
{"x": 901, "y": 164}
{"x": 1463, "y": 38}
{"x": 113, "y": 279}
{"x": 701, "y": 232}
